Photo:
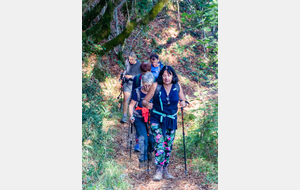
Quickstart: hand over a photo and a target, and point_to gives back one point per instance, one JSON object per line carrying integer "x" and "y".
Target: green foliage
{"x": 99, "y": 74}
{"x": 202, "y": 139}
{"x": 119, "y": 39}
{"x": 202, "y": 15}
{"x": 98, "y": 171}
{"x": 92, "y": 14}
{"x": 102, "y": 29}
{"x": 121, "y": 61}
{"x": 89, "y": 47}
{"x": 93, "y": 137}
{"x": 113, "y": 178}
{"x": 84, "y": 4}
{"x": 124, "y": 8}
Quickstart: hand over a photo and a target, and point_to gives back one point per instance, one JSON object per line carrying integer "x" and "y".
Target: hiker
{"x": 156, "y": 65}
{"x": 166, "y": 94}
{"x": 132, "y": 68}
{"x": 137, "y": 82}
{"x": 139, "y": 116}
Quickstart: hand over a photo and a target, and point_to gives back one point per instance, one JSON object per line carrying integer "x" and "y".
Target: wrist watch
{"x": 180, "y": 100}
{"x": 132, "y": 118}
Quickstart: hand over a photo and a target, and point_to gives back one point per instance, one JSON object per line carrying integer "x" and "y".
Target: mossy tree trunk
{"x": 102, "y": 29}
{"x": 131, "y": 26}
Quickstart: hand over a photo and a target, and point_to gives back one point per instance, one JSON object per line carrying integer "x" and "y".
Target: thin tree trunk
{"x": 178, "y": 15}
{"x": 128, "y": 12}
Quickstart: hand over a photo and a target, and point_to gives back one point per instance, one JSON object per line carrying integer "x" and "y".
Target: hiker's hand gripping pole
{"x": 148, "y": 134}
{"x": 184, "y": 138}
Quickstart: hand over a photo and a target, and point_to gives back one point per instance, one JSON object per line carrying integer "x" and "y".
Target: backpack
{"x": 158, "y": 87}
{"x": 138, "y": 79}
{"x": 137, "y": 102}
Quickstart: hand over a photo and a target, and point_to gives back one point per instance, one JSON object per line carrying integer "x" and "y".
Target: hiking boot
{"x": 124, "y": 119}
{"x": 137, "y": 148}
{"x": 158, "y": 174}
{"x": 142, "y": 164}
{"x": 166, "y": 174}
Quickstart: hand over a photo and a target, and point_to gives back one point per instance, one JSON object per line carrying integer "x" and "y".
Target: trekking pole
{"x": 121, "y": 79}
{"x": 130, "y": 140}
{"x": 128, "y": 135}
{"x": 184, "y": 138}
{"x": 148, "y": 125}
{"x": 183, "y": 142}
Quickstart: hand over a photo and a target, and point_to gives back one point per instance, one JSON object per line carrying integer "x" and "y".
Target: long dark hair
{"x": 170, "y": 71}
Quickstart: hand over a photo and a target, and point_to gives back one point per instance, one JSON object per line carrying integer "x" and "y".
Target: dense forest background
{"x": 185, "y": 35}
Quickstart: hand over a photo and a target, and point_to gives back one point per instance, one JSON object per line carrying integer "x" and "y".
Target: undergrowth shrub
{"x": 112, "y": 178}
{"x": 202, "y": 139}
{"x": 97, "y": 149}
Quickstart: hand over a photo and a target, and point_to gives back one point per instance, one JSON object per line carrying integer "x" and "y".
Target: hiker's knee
{"x": 126, "y": 94}
{"x": 141, "y": 138}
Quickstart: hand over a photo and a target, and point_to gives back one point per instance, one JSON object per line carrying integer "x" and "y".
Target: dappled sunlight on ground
{"x": 141, "y": 179}
{"x": 110, "y": 87}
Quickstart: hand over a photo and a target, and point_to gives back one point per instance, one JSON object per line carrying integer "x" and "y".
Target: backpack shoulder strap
{"x": 177, "y": 87}
{"x": 137, "y": 80}
{"x": 160, "y": 66}
{"x": 137, "y": 91}
{"x": 158, "y": 87}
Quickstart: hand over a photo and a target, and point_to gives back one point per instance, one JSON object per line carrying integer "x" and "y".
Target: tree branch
{"x": 131, "y": 26}
{"x": 102, "y": 29}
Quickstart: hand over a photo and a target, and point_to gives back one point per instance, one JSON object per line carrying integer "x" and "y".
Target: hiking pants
{"x": 163, "y": 145}
{"x": 141, "y": 130}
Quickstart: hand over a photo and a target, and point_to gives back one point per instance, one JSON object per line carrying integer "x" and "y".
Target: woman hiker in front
{"x": 166, "y": 94}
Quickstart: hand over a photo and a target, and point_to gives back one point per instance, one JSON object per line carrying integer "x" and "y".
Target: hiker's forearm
{"x": 131, "y": 105}
{"x": 144, "y": 103}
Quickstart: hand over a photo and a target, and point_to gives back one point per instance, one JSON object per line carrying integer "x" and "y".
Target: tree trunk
{"x": 102, "y": 29}
{"x": 131, "y": 26}
{"x": 91, "y": 15}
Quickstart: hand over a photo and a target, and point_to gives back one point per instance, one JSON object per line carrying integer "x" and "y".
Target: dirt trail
{"x": 142, "y": 180}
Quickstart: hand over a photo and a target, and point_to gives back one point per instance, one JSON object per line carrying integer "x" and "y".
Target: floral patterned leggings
{"x": 163, "y": 145}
